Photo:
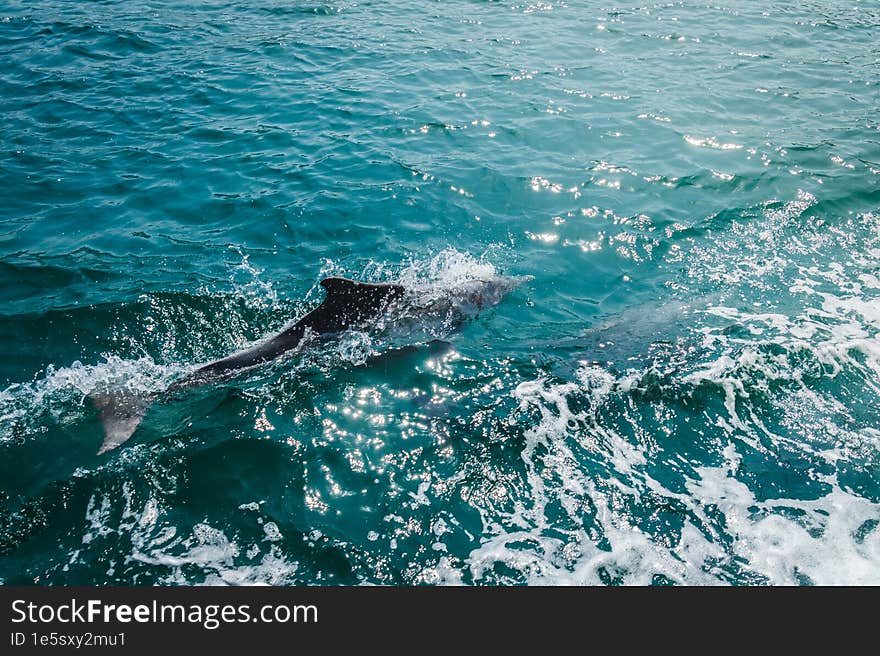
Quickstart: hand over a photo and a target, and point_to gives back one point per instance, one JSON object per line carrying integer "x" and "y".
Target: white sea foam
{"x": 248, "y": 282}
{"x": 591, "y": 471}
{"x": 826, "y": 541}
{"x": 61, "y": 392}
{"x": 203, "y": 556}
{"x": 829, "y": 540}
{"x": 446, "y": 270}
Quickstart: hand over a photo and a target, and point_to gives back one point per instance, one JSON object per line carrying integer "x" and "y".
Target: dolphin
{"x": 348, "y": 304}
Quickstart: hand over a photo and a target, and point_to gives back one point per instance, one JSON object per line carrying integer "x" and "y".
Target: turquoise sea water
{"x": 688, "y": 391}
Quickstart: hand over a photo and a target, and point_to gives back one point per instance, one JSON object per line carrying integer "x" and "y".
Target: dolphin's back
{"x": 347, "y": 304}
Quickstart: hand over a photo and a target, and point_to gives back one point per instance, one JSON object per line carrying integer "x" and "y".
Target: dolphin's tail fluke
{"x": 121, "y": 413}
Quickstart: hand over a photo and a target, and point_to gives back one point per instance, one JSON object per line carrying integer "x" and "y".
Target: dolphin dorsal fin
{"x": 353, "y": 290}
{"x": 349, "y": 303}
{"x": 336, "y": 285}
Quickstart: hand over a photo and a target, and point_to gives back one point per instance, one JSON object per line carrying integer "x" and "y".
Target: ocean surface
{"x": 686, "y": 392}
